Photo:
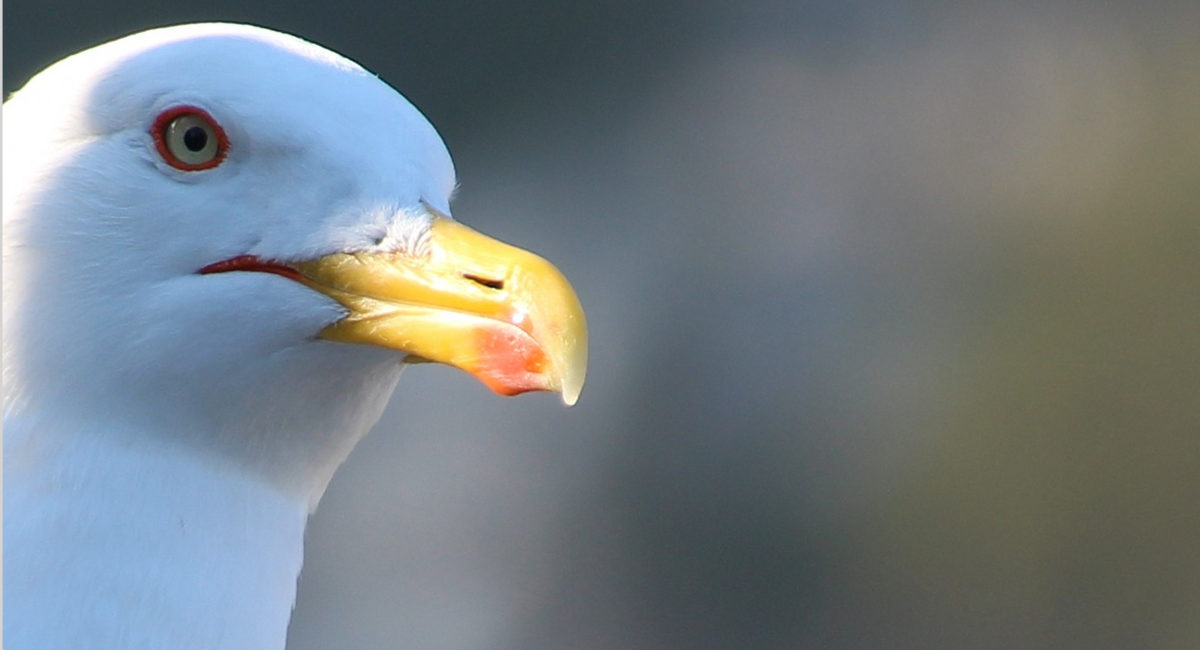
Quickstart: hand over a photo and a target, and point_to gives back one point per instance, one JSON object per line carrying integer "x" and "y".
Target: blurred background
{"x": 895, "y": 318}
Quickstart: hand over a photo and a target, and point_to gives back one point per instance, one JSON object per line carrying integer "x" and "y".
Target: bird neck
{"x": 113, "y": 543}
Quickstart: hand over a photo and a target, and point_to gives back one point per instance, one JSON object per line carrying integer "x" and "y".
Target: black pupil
{"x": 195, "y": 138}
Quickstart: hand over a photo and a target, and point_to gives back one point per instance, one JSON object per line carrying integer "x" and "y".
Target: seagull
{"x": 221, "y": 245}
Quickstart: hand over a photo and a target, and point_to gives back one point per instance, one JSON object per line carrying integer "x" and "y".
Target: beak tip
{"x": 570, "y": 394}
{"x": 574, "y": 360}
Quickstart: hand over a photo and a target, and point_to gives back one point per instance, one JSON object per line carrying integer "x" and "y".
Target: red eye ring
{"x": 188, "y": 138}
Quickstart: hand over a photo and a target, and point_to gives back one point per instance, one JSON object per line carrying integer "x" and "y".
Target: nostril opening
{"x": 489, "y": 283}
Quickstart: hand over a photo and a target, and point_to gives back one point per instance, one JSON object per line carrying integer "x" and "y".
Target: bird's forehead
{"x": 269, "y": 90}
{"x": 261, "y": 71}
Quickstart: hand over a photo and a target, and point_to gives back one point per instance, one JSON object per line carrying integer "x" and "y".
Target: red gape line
{"x": 251, "y": 263}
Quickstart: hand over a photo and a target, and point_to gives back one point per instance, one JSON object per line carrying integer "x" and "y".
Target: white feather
{"x": 167, "y": 433}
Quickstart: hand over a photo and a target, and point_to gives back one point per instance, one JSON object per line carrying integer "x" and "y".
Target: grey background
{"x": 894, "y": 313}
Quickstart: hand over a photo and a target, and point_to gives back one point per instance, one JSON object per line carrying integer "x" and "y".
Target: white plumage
{"x": 167, "y": 432}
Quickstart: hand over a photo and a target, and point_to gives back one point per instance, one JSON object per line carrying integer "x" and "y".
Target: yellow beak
{"x": 503, "y": 314}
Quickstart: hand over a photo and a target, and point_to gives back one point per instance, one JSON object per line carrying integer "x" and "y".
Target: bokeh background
{"x": 895, "y": 317}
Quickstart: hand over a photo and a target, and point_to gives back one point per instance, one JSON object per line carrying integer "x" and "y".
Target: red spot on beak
{"x": 510, "y": 362}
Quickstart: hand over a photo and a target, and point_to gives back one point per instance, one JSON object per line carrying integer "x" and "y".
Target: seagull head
{"x": 221, "y": 224}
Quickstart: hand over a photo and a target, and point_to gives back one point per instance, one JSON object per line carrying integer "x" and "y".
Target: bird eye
{"x": 189, "y": 138}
